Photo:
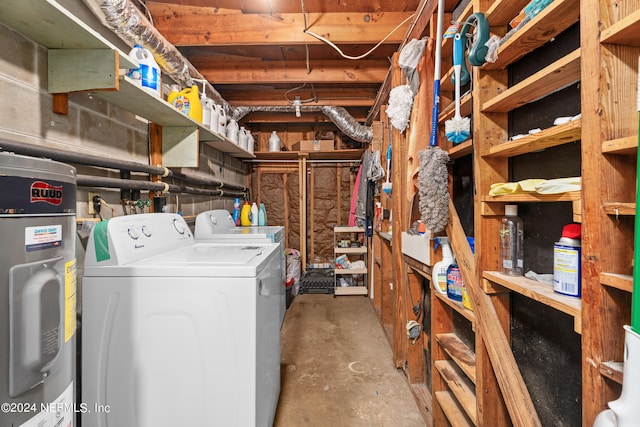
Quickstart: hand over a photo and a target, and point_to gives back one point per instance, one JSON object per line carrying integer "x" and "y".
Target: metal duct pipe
{"x": 338, "y": 115}
{"x": 131, "y": 184}
{"x": 89, "y": 160}
{"x": 125, "y": 20}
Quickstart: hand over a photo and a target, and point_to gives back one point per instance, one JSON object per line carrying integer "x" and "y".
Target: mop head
{"x": 399, "y": 107}
{"x": 457, "y": 129}
{"x": 434, "y": 188}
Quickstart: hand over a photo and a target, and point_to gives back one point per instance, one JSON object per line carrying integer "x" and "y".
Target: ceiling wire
{"x": 330, "y": 43}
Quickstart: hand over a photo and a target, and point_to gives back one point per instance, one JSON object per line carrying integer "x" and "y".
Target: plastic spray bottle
{"x": 466, "y": 301}
{"x": 454, "y": 282}
{"x": 439, "y": 271}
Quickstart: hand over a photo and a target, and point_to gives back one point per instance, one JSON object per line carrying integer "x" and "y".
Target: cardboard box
{"x": 313, "y": 145}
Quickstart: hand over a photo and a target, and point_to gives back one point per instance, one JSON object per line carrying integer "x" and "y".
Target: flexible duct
{"x": 338, "y": 115}
{"x": 125, "y": 20}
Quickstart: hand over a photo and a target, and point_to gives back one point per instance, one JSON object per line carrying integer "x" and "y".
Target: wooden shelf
{"x": 619, "y": 208}
{"x": 612, "y": 370}
{"x": 350, "y": 290}
{"x": 460, "y": 386}
{"x": 501, "y": 12}
{"x": 345, "y": 271}
{"x": 462, "y": 355}
{"x": 556, "y": 76}
{"x": 626, "y": 146}
{"x": 52, "y": 26}
{"x": 539, "y": 292}
{"x": 352, "y": 154}
{"x": 551, "y": 21}
{"x": 624, "y": 32}
{"x": 452, "y": 409}
{"x": 623, "y": 282}
{"x": 569, "y": 196}
{"x": 450, "y": 110}
{"x": 360, "y": 250}
{"x": 385, "y": 236}
{"x": 550, "y": 137}
{"x": 457, "y": 306}
{"x": 461, "y": 150}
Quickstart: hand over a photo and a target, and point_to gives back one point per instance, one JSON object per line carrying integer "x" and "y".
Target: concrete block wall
{"x": 93, "y": 126}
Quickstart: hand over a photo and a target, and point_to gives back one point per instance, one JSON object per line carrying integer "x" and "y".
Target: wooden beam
{"x": 266, "y": 72}
{"x": 274, "y": 95}
{"x": 207, "y": 26}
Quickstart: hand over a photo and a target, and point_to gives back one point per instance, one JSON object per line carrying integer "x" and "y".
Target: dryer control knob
{"x": 179, "y": 226}
{"x": 146, "y": 231}
{"x": 133, "y": 233}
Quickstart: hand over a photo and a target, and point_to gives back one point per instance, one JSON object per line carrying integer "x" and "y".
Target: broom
{"x": 457, "y": 129}
{"x": 433, "y": 174}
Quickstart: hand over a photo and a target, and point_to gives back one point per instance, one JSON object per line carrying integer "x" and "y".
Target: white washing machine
{"x": 218, "y": 226}
{"x": 175, "y": 332}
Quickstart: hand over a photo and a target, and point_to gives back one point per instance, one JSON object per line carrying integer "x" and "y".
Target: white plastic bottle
{"x": 274, "y": 142}
{"x": 439, "y": 271}
{"x": 254, "y": 214}
{"x": 511, "y": 242}
{"x": 148, "y": 75}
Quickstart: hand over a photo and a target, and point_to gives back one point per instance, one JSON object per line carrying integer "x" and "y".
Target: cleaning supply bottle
{"x": 262, "y": 215}
{"x": 245, "y": 214}
{"x": 236, "y": 211}
{"x": 274, "y": 142}
{"x": 439, "y": 271}
{"x": 511, "y": 242}
{"x": 148, "y": 75}
{"x": 466, "y": 301}
{"x": 254, "y": 214}
{"x": 454, "y": 282}
{"x": 187, "y": 101}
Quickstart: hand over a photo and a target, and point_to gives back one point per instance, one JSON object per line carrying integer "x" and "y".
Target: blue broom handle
{"x": 435, "y": 112}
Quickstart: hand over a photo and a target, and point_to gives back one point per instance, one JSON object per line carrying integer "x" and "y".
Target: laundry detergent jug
{"x": 187, "y": 101}
{"x": 148, "y": 75}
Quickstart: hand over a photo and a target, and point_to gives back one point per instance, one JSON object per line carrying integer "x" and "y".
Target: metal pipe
{"x": 132, "y": 184}
{"x": 90, "y": 160}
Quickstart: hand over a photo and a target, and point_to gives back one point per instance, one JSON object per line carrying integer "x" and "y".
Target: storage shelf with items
{"x": 81, "y": 59}
{"x": 610, "y": 148}
{"x": 349, "y": 248}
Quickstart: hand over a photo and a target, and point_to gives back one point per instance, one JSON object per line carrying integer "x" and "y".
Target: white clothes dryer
{"x": 218, "y": 226}
{"x": 175, "y": 332}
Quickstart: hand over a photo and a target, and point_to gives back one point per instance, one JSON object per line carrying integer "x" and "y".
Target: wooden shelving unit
{"x": 353, "y": 253}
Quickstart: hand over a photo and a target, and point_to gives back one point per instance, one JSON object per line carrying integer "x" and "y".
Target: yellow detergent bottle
{"x": 245, "y": 214}
{"x": 186, "y": 101}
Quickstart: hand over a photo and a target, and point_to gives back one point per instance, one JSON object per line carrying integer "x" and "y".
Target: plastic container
{"x": 243, "y": 138}
{"x": 511, "y": 242}
{"x": 232, "y": 131}
{"x": 274, "y": 142}
{"x": 213, "y": 121}
{"x": 254, "y": 214}
{"x": 439, "y": 271}
{"x": 466, "y": 301}
{"x": 207, "y": 106}
{"x": 222, "y": 120}
{"x": 262, "y": 215}
{"x": 236, "y": 211}
{"x": 454, "y": 282}
{"x": 148, "y": 75}
{"x": 567, "y": 265}
{"x": 187, "y": 101}
{"x": 250, "y": 142}
{"x": 245, "y": 215}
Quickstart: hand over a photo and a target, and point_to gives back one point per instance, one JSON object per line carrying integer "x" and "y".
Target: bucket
{"x": 567, "y": 268}
{"x": 148, "y": 75}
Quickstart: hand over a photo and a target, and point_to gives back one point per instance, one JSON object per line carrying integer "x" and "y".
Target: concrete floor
{"x": 337, "y": 367}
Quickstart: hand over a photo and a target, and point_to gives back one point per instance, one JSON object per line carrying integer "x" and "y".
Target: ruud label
{"x": 44, "y": 192}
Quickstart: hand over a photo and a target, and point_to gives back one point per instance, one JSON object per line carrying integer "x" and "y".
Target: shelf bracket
{"x": 180, "y": 146}
{"x": 74, "y": 70}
